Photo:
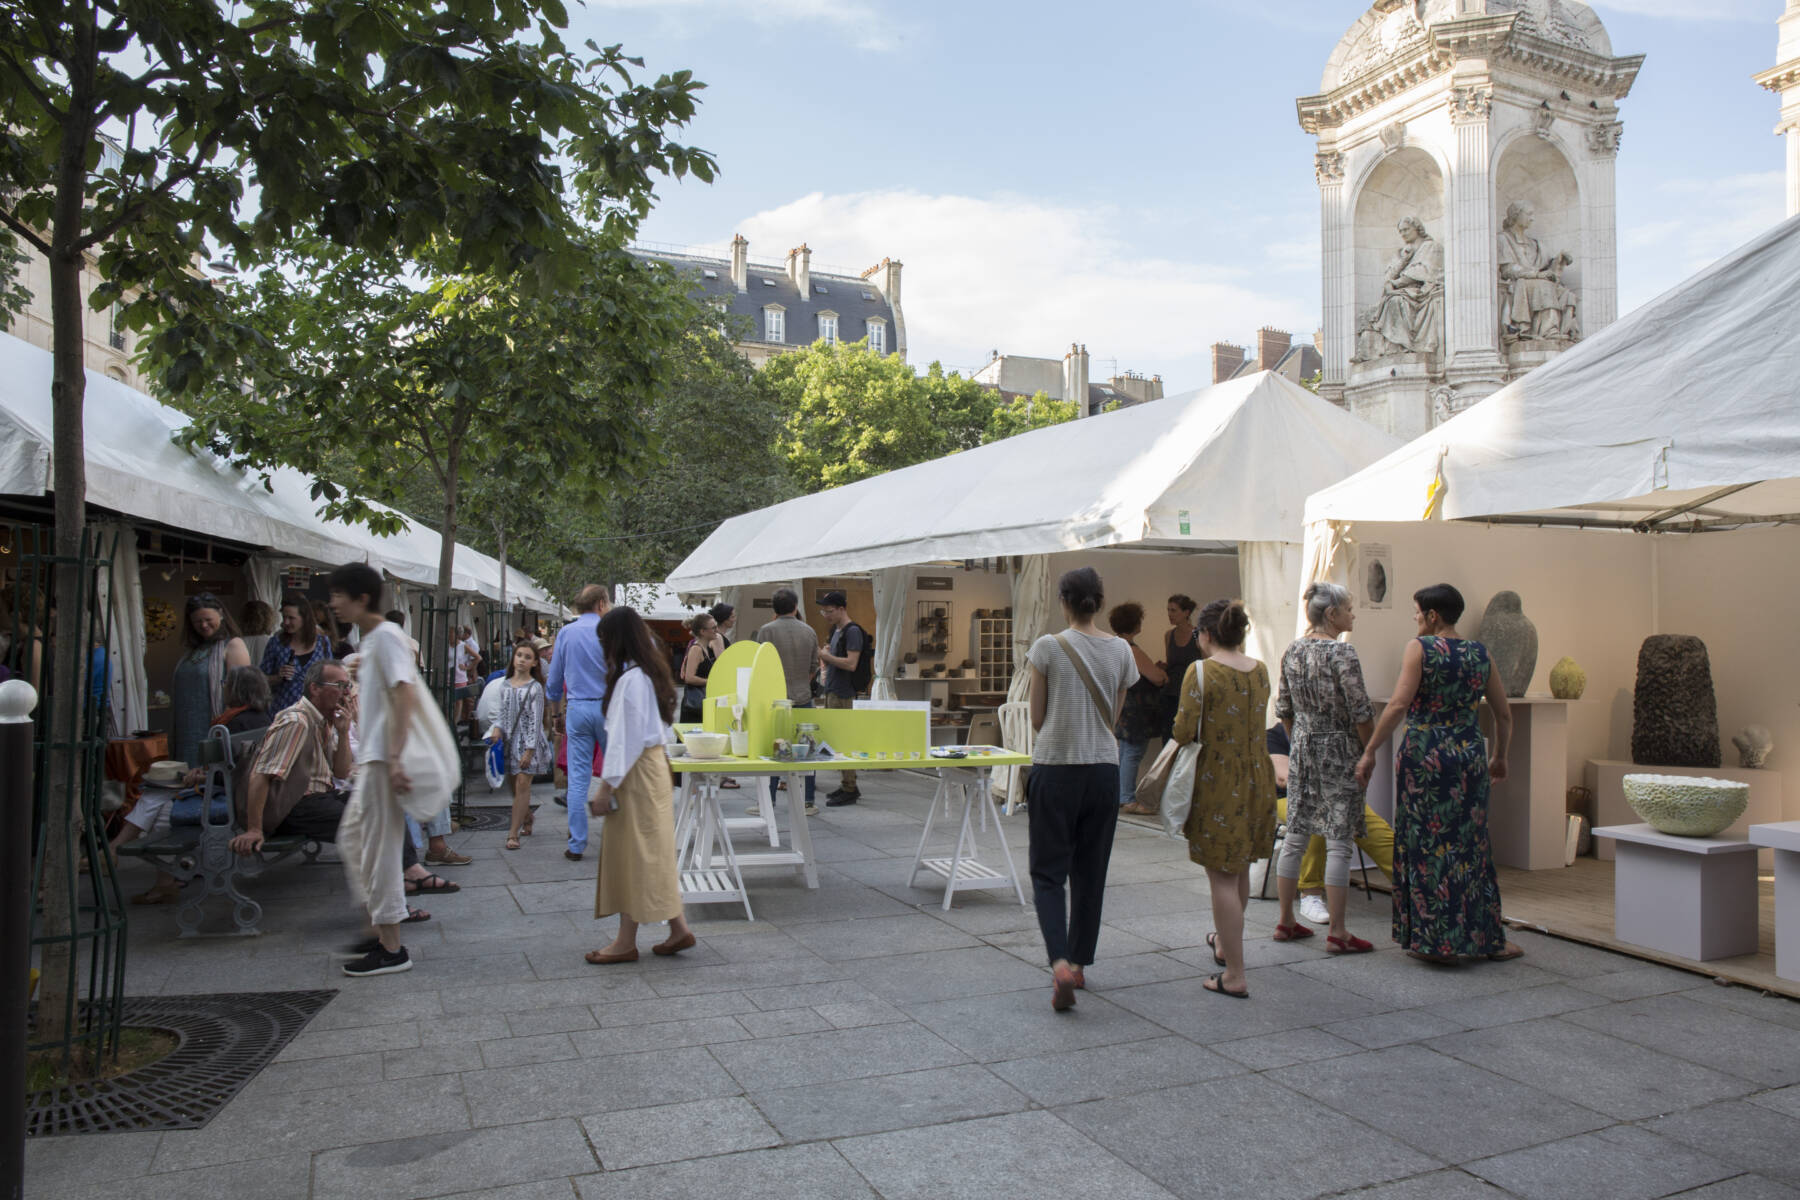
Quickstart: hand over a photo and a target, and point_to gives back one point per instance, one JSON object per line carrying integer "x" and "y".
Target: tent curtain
{"x": 1031, "y": 605}
{"x": 890, "y": 622}
{"x": 264, "y": 574}
{"x": 1327, "y": 554}
{"x": 1269, "y": 581}
{"x": 123, "y": 593}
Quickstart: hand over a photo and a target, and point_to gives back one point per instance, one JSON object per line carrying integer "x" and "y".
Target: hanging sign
{"x": 1181, "y": 518}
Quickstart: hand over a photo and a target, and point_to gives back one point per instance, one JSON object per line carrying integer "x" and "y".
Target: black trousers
{"x": 316, "y": 818}
{"x": 1074, "y": 812}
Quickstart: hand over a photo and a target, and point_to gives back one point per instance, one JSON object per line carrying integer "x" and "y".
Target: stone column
{"x": 1338, "y": 303}
{"x": 1599, "y": 225}
{"x": 1472, "y": 324}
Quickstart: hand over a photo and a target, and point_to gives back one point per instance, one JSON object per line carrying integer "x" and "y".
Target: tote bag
{"x": 429, "y": 757}
{"x": 1178, "y": 796}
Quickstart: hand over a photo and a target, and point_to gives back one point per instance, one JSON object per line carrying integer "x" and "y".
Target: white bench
{"x": 1691, "y": 897}
{"x": 1783, "y": 837}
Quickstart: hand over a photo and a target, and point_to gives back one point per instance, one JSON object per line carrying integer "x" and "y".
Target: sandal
{"x": 1216, "y": 985}
{"x": 431, "y": 883}
{"x": 414, "y": 916}
{"x": 1508, "y": 951}
{"x": 730, "y": 783}
{"x": 1292, "y": 933}
{"x": 1348, "y": 944}
{"x": 512, "y": 843}
{"x": 1212, "y": 943}
{"x": 1137, "y": 810}
{"x": 525, "y": 829}
{"x": 1436, "y": 960}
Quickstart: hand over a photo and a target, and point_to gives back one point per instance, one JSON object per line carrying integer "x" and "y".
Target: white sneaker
{"x": 1312, "y": 908}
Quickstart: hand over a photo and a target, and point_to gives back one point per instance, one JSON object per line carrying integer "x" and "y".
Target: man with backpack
{"x": 849, "y": 667}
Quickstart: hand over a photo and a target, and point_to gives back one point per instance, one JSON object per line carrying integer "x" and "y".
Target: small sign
{"x": 1181, "y": 518}
{"x": 933, "y": 583}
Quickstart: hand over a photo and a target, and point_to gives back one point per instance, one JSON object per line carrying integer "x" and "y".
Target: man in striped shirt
{"x": 292, "y": 790}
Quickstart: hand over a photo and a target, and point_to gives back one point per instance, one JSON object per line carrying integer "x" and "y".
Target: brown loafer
{"x": 449, "y": 858}
{"x": 601, "y": 959}
{"x": 672, "y": 946}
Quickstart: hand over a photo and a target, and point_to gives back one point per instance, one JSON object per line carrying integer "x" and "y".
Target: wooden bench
{"x": 204, "y": 851}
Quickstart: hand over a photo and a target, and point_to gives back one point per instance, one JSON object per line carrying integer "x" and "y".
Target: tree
{"x": 148, "y": 136}
{"x": 1022, "y": 414}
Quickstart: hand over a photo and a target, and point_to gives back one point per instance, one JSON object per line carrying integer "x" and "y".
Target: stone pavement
{"x": 857, "y": 1041}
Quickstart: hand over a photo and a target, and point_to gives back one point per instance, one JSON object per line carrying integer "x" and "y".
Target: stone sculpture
{"x": 1511, "y": 640}
{"x": 1753, "y": 746}
{"x": 1534, "y": 305}
{"x": 1410, "y": 316}
{"x": 1567, "y": 679}
{"x": 1675, "y": 716}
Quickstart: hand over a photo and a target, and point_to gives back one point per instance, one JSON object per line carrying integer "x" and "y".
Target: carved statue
{"x": 1410, "y": 317}
{"x": 1533, "y": 302}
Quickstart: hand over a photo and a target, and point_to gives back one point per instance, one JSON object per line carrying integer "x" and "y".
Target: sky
{"x": 1131, "y": 176}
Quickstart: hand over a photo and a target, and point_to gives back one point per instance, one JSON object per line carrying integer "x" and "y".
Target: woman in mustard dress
{"x": 1224, "y": 703}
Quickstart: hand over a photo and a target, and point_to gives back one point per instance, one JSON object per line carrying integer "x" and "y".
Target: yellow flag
{"x": 1434, "y": 494}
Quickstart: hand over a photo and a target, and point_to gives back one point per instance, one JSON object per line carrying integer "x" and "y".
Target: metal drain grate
{"x": 489, "y": 820}
{"x": 224, "y": 1041}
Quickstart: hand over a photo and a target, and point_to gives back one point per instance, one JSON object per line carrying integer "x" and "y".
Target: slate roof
{"x": 854, "y": 301}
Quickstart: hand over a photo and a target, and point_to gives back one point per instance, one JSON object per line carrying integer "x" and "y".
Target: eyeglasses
{"x": 342, "y": 685}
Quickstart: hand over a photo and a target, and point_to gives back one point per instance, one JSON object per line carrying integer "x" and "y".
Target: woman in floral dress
{"x": 521, "y": 725}
{"x": 1446, "y": 897}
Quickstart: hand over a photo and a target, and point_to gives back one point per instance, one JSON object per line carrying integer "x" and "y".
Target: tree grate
{"x": 224, "y": 1040}
{"x": 488, "y": 820}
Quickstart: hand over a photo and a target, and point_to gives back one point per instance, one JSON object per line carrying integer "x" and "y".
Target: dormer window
{"x": 877, "y": 336}
{"x": 828, "y": 327}
{"x": 774, "y": 323}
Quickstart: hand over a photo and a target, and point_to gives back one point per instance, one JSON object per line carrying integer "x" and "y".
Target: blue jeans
{"x": 438, "y": 827}
{"x": 586, "y": 727}
{"x": 1131, "y": 756}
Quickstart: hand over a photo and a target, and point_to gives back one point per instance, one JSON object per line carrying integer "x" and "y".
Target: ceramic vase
{"x": 1567, "y": 679}
{"x": 1511, "y": 640}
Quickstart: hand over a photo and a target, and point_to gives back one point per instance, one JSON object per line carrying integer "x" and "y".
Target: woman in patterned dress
{"x": 1446, "y": 897}
{"x": 521, "y": 724}
{"x": 292, "y": 651}
{"x": 1224, "y": 701}
{"x": 1326, "y": 710}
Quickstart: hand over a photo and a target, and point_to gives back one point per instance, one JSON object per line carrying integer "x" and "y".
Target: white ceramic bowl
{"x": 705, "y": 745}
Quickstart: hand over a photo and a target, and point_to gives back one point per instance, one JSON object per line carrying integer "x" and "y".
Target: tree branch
{"x": 25, "y": 231}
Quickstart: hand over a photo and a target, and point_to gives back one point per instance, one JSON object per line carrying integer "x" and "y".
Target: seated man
{"x": 291, "y": 790}
{"x": 1377, "y": 843}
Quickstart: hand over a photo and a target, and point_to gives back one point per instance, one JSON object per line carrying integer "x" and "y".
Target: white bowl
{"x": 705, "y": 745}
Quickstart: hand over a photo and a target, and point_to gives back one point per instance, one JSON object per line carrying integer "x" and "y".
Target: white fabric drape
{"x": 123, "y": 594}
{"x": 1269, "y": 580}
{"x": 1031, "y": 605}
{"x": 890, "y": 627}
{"x": 264, "y": 574}
{"x": 1327, "y": 555}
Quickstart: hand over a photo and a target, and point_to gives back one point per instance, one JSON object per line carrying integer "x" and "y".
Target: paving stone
{"x": 1743, "y": 1187}
{"x": 1152, "y": 899}
{"x": 1171, "y": 931}
{"x": 773, "y": 1063}
{"x": 1591, "y": 1069}
{"x": 844, "y": 901}
{"x": 551, "y": 1020}
{"x": 1108, "y": 1071}
{"x": 1777, "y": 1010}
{"x": 852, "y": 1107}
{"x": 1610, "y": 1164}
{"x": 1571, "y": 960}
{"x": 669, "y": 1133}
{"x": 1438, "y": 1185}
{"x": 695, "y": 979}
{"x": 1382, "y": 1030}
{"x": 762, "y": 945}
{"x": 685, "y": 1008}
{"x": 519, "y": 1051}
{"x": 855, "y": 1015}
{"x": 353, "y": 1008}
{"x": 543, "y": 1189}
{"x": 1401, "y": 982}
{"x": 571, "y": 895}
{"x": 457, "y": 1031}
{"x": 1028, "y": 944}
{"x": 702, "y": 1031}
{"x": 1245, "y": 1136}
{"x": 450, "y": 1058}
{"x": 1638, "y": 981}
{"x": 88, "y": 1161}
{"x": 1782, "y": 1100}
{"x": 366, "y": 1039}
{"x": 1259, "y": 951}
{"x": 1523, "y": 1005}
{"x": 874, "y": 937}
{"x": 1284, "y": 1049}
{"x": 1429, "y": 1100}
{"x": 599, "y": 986}
{"x": 581, "y": 1087}
{"x": 1748, "y": 1136}
{"x": 1025, "y": 1154}
{"x": 1733, "y": 1042}
{"x": 285, "y": 1177}
{"x": 815, "y": 1172}
{"x": 469, "y": 1160}
{"x": 308, "y": 1074}
{"x": 784, "y": 1021}
{"x": 947, "y": 975}
{"x": 1279, "y": 999}
{"x": 1006, "y": 1025}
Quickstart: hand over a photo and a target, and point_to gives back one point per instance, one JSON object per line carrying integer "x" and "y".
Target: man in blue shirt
{"x": 577, "y": 687}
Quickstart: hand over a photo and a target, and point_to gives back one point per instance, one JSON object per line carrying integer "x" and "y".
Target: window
{"x": 708, "y": 273}
{"x": 115, "y": 329}
{"x": 768, "y": 283}
{"x": 828, "y": 327}
{"x": 820, "y": 289}
{"x": 868, "y": 295}
{"x": 774, "y": 324}
{"x": 878, "y": 337}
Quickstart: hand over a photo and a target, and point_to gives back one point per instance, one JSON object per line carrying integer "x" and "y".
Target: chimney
{"x": 1227, "y": 358}
{"x": 1271, "y": 344}
{"x": 1319, "y": 341}
{"x": 799, "y": 269}
{"x": 740, "y": 262}
{"x": 891, "y": 289}
{"x": 1075, "y": 377}
{"x": 1156, "y": 392}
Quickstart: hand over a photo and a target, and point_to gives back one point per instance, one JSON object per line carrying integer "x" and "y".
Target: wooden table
{"x": 970, "y": 780}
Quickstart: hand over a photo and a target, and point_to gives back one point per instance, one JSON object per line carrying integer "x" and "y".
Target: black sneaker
{"x": 379, "y": 962}
{"x": 838, "y": 793}
{"x": 561, "y": 800}
{"x": 840, "y": 799}
{"x": 361, "y": 949}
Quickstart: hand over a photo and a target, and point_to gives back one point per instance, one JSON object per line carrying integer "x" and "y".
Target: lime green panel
{"x": 853, "y": 731}
{"x": 767, "y": 685}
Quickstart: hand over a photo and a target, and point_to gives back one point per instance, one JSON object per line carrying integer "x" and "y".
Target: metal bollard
{"x": 17, "y": 699}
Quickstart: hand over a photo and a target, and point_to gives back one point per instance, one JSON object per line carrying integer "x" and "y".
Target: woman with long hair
{"x": 212, "y": 648}
{"x": 521, "y": 725}
{"x": 1138, "y": 721}
{"x": 295, "y": 647}
{"x": 635, "y": 795}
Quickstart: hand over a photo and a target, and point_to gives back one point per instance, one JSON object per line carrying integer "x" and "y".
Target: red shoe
{"x": 1062, "y": 992}
{"x": 1292, "y": 933}
{"x": 1348, "y": 944}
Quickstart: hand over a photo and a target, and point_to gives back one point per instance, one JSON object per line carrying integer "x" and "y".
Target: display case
{"x": 991, "y": 649}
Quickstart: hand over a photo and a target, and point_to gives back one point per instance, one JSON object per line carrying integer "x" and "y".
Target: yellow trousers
{"x": 1377, "y": 843}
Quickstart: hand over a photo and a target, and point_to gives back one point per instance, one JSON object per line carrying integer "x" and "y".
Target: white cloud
{"x": 1693, "y": 10}
{"x": 1029, "y": 277}
{"x": 1694, "y": 223}
{"x": 866, "y": 25}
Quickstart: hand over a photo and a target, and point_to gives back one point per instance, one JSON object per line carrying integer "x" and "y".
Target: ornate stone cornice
{"x": 1603, "y": 139}
{"x": 1328, "y": 167}
{"x": 1780, "y": 79}
{"x": 1486, "y": 38}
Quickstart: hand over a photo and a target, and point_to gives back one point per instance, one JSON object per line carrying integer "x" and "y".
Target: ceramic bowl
{"x": 705, "y": 745}
{"x": 1686, "y": 806}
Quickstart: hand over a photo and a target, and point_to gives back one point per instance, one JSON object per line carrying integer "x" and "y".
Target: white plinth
{"x": 1691, "y": 897}
{"x": 1606, "y": 779}
{"x": 1784, "y": 839}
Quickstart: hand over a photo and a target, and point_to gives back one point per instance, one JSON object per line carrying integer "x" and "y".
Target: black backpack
{"x": 863, "y": 677}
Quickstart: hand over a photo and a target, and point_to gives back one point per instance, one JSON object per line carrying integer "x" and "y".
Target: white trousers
{"x": 368, "y": 840}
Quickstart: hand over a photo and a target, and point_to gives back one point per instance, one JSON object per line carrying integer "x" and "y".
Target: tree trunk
{"x": 64, "y": 814}
{"x": 447, "y": 556}
{"x": 500, "y": 536}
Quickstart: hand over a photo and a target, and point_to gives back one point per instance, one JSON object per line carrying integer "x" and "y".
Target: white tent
{"x": 655, "y": 601}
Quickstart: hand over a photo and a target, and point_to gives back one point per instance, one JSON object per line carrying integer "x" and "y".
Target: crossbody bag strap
{"x": 1093, "y": 689}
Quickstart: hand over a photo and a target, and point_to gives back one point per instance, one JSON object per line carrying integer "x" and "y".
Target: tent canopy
{"x": 1200, "y": 471}
{"x": 136, "y": 470}
{"x": 1680, "y": 416}
{"x": 655, "y": 602}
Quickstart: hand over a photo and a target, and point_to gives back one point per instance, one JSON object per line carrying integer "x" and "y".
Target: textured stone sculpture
{"x": 1753, "y": 746}
{"x": 1511, "y": 640}
{"x": 1675, "y": 716}
{"x": 1567, "y": 679}
{"x": 1534, "y": 304}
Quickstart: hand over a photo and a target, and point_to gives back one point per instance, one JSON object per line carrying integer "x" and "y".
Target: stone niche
{"x": 1386, "y": 385}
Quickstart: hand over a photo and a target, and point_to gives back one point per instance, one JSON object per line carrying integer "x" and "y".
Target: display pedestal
{"x": 1687, "y": 896}
{"x": 1606, "y": 779}
{"x": 1783, "y": 839}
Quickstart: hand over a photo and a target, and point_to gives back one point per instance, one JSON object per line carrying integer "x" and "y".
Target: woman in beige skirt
{"x": 638, "y": 878}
